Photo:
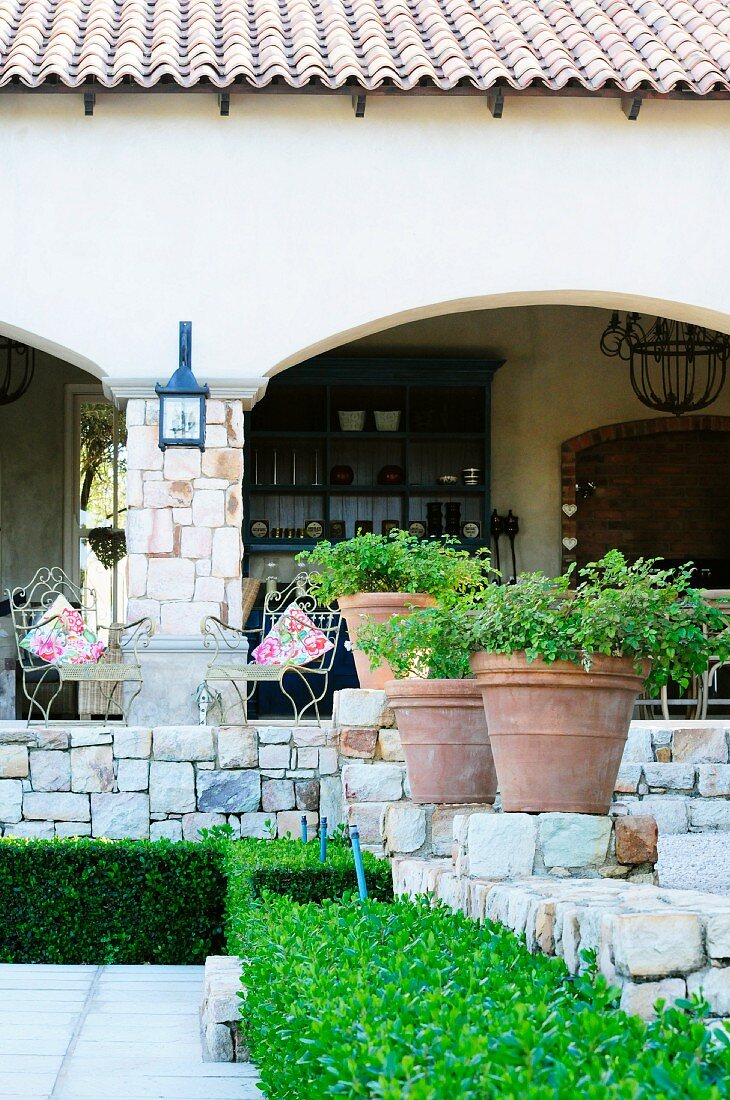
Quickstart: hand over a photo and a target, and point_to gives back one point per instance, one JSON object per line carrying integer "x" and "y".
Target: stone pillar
{"x": 184, "y": 515}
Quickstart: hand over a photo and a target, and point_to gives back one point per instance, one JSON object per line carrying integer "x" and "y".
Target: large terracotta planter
{"x": 557, "y": 732}
{"x": 444, "y": 736}
{"x": 379, "y": 606}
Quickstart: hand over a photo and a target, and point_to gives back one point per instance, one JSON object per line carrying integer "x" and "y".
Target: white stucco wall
{"x": 291, "y": 226}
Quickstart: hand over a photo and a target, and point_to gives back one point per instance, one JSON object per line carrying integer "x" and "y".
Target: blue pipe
{"x": 305, "y": 835}
{"x": 359, "y": 868}
{"x": 323, "y": 840}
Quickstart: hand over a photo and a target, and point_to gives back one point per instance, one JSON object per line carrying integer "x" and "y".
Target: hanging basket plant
{"x": 108, "y": 544}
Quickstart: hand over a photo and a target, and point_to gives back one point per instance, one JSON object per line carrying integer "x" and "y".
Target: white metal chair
{"x": 231, "y": 647}
{"x": 29, "y": 603}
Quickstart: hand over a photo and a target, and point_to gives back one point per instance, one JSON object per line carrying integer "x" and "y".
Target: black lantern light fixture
{"x": 17, "y": 365}
{"x": 675, "y": 368}
{"x": 182, "y": 401}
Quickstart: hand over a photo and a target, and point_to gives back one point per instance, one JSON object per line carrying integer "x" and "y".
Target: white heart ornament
{"x": 570, "y": 509}
{"x": 570, "y": 544}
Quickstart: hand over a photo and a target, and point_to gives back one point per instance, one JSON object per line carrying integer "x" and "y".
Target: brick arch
{"x": 629, "y": 429}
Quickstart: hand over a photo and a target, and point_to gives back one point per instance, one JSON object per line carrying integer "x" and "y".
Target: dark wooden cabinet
{"x": 294, "y": 440}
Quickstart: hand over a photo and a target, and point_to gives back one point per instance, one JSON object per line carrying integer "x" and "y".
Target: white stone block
{"x": 133, "y": 775}
{"x": 443, "y": 825}
{"x": 227, "y": 550}
{"x": 183, "y": 743}
{"x": 359, "y": 707}
{"x": 254, "y": 825}
{"x": 170, "y": 579}
{"x": 289, "y": 823}
{"x": 31, "y": 830}
{"x": 132, "y": 741}
{"x": 181, "y": 618}
{"x": 574, "y": 840}
{"x": 501, "y": 846}
{"x": 92, "y": 768}
{"x": 135, "y": 412}
{"x": 671, "y": 777}
{"x": 161, "y": 536}
{"x": 166, "y": 830}
{"x": 196, "y": 542}
{"x": 639, "y": 746}
{"x": 93, "y": 735}
{"x": 657, "y": 945}
{"x": 307, "y": 758}
{"x": 182, "y": 463}
{"x": 215, "y": 412}
{"x": 209, "y": 508}
{"x": 709, "y": 815}
{"x": 389, "y": 746}
{"x": 234, "y": 505}
{"x": 700, "y": 744}
{"x": 50, "y": 770}
{"x": 277, "y": 794}
{"x": 714, "y": 780}
{"x": 328, "y": 761}
{"x": 274, "y": 735}
{"x": 670, "y": 812}
{"x": 193, "y": 823}
{"x": 182, "y": 517}
{"x": 172, "y": 787}
{"x": 237, "y": 747}
{"x": 331, "y": 800}
{"x": 135, "y": 489}
{"x": 640, "y": 999}
{"x": 139, "y": 530}
{"x": 143, "y": 452}
{"x": 136, "y": 576}
{"x": 718, "y": 936}
{"x": 715, "y": 987}
{"x": 73, "y": 828}
{"x": 167, "y": 494}
{"x": 405, "y": 827}
{"x": 13, "y": 761}
{"x": 275, "y": 756}
{"x": 56, "y": 806}
{"x": 120, "y": 816}
{"x": 212, "y": 590}
{"x": 628, "y": 779}
{"x": 215, "y": 436}
{"x": 372, "y": 782}
{"x": 308, "y": 736}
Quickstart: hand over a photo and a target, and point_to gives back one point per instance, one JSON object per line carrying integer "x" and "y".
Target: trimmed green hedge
{"x": 137, "y": 901}
{"x": 256, "y": 867}
{"x": 109, "y": 901}
{"x": 404, "y": 1002}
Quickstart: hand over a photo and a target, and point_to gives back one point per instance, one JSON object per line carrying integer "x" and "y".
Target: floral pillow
{"x": 61, "y": 637}
{"x": 294, "y": 639}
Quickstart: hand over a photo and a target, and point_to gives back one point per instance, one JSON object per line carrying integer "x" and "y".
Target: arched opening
{"x": 62, "y": 481}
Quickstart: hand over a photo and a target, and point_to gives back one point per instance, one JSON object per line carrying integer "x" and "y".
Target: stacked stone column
{"x": 184, "y": 520}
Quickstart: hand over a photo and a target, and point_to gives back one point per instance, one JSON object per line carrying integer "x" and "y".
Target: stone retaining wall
{"x": 221, "y": 1038}
{"x": 653, "y": 943}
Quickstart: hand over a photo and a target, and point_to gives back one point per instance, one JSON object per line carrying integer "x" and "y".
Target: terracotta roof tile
{"x": 626, "y": 44}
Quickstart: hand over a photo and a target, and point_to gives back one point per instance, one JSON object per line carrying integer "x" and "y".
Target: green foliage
{"x": 258, "y": 867}
{"x": 397, "y": 562}
{"x": 617, "y": 609}
{"x": 109, "y": 901}
{"x": 404, "y": 1002}
{"x": 428, "y": 642}
{"x": 109, "y": 545}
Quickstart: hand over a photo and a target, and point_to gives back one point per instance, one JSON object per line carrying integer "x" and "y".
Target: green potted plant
{"x": 377, "y": 576}
{"x": 560, "y": 670}
{"x": 437, "y": 704}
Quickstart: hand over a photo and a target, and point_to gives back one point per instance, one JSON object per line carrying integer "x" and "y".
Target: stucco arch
{"x": 50, "y": 347}
{"x": 690, "y": 313}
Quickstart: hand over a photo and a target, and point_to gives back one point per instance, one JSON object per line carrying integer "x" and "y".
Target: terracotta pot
{"x": 557, "y": 732}
{"x": 379, "y": 606}
{"x": 444, "y": 735}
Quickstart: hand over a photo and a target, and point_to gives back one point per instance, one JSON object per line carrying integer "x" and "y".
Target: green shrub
{"x": 257, "y": 867}
{"x": 403, "y": 1002}
{"x": 109, "y": 901}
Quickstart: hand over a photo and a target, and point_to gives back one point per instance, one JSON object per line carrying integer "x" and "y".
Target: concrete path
{"x": 109, "y": 1033}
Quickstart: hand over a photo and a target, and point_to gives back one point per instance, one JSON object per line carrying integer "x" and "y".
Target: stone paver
{"x": 111, "y": 1032}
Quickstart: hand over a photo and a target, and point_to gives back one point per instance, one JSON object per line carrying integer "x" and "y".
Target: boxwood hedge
{"x": 404, "y": 1002}
{"x": 135, "y": 901}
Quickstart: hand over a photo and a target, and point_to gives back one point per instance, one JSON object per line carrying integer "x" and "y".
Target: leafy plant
{"x": 396, "y": 562}
{"x": 430, "y": 642}
{"x": 618, "y": 609}
{"x": 386, "y": 1002}
{"x": 109, "y": 545}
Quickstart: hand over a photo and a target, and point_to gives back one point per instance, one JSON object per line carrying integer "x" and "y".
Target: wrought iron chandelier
{"x": 675, "y": 368}
{"x": 17, "y": 364}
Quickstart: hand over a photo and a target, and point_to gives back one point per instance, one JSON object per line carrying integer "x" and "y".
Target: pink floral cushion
{"x": 61, "y": 637}
{"x": 294, "y": 639}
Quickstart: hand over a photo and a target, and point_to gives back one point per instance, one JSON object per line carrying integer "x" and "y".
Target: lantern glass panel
{"x": 181, "y": 419}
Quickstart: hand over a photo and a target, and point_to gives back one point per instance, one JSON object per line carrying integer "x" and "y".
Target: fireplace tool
{"x": 496, "y": 528}
{"x": 511, "y": 530}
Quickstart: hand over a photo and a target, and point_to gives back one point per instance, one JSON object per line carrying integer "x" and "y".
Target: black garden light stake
{"x": 496, "y": 528}
{"x": 182, "y": 401}
{"x": 511, "y": 530}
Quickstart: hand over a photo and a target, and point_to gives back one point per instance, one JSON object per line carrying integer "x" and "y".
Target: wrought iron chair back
{"x": 231, "y": 647}
{"x": 29, "y": 603}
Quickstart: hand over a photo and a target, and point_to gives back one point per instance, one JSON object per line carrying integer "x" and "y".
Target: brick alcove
{"x": 662, "y": 490}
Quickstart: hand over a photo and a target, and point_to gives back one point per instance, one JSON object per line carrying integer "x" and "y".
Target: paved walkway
{"x": 109, "y": 1033}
